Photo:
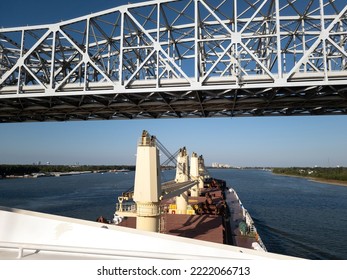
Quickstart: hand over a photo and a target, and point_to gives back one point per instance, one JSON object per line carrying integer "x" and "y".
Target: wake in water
{"x": 285, "y": 242}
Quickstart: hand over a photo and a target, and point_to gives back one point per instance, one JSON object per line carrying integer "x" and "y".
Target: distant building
{"x": 220, "y": 165}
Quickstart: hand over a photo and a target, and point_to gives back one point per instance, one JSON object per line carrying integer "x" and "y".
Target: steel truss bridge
{"x": 175, "y": 59}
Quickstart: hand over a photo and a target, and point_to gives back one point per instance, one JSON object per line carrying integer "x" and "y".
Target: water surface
{"x": 294, "y": 216}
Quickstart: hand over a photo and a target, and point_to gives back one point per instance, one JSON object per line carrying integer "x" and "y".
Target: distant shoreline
{"x": 317, "y": 180}
{"x": 330, "y": 182}
{"x": 14, "y": 171}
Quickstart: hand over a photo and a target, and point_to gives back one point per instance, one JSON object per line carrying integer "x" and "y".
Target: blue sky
{"x": 258, "y": 141}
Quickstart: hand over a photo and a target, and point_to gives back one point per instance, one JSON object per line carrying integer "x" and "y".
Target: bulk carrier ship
{"x": 193, "y": 205}
{"x": 192, "y": 217}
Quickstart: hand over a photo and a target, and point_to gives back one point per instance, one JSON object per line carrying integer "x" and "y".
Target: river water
{"x": 294, "y": 216}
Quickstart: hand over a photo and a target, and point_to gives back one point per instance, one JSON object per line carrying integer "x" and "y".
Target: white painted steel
{"x": 32, "y": 235}
{"x": 171, "y": 58}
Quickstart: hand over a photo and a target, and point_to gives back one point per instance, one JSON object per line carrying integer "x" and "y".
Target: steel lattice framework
{"x": 188, "y": 58}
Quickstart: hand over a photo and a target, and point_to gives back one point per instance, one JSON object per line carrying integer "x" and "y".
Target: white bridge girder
{"x": 171, "y": 58}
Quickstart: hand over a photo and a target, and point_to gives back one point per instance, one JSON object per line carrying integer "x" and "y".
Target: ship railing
{"x": 249, "y": 221}
{"x": 155, "y": 211}
{"x": 236, "y": 195}
{"x": 44, "y": 251}
{"x": 262, "y": 245}
{"x": 253, "y": 230}
{"x": 126, "y": 207}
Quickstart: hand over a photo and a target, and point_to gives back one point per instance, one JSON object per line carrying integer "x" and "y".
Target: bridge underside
{"x": 179, "y": 59}
{"x": 314, "y": 100}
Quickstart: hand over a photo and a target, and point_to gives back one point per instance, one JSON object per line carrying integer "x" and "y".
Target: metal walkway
{"x": 174, "y": 59}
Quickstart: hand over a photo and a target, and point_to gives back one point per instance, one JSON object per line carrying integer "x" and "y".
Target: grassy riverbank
{"x": 336, "y": 176}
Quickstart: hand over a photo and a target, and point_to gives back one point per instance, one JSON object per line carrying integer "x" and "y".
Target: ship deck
{"x": 200, "y": 227}
{"x": 205, "y": 227}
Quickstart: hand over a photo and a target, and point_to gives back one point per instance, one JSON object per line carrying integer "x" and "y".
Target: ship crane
{"x": 148, "y": 189}
{"x": 169, "y": 189}
{"x": 171, "y": 157}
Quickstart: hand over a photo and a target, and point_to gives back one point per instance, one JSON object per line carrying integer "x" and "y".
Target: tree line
{"x": 328, "y": 173}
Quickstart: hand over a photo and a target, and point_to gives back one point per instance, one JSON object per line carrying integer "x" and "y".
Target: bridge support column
{"x": 147, "y": 184}
{"x": 182, "y": 172}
